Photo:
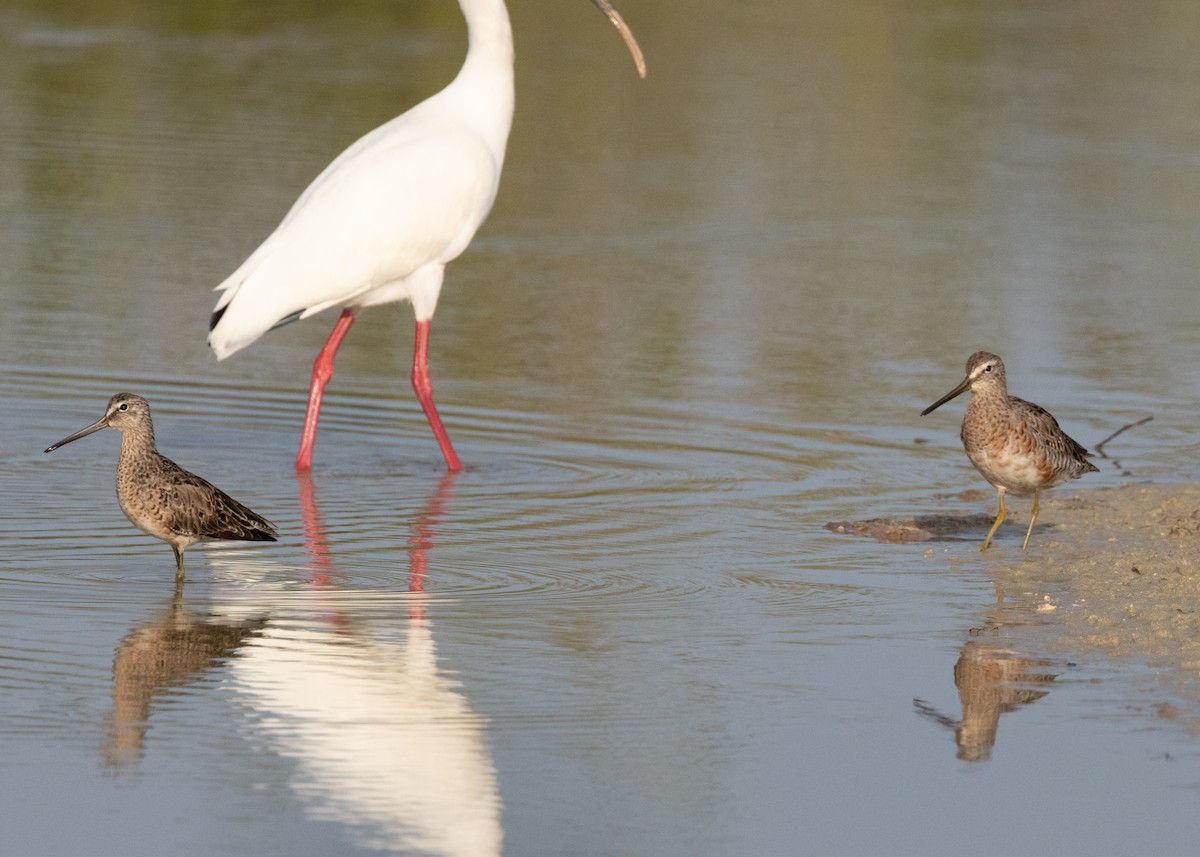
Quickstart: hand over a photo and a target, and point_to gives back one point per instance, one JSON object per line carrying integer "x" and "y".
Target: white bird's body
{"x": 381, "y": 222}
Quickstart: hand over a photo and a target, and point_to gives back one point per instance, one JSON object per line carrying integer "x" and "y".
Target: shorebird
{"x": 1015, "y": 444}
{"x": 381, "y": 222}
{"x": 161, "y": 498}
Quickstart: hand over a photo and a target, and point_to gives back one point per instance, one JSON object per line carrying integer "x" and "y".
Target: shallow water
{"x": 700, "y": 323}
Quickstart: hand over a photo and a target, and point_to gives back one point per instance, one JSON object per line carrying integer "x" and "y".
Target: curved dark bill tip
{"x": 635, "y": 50}
{"x": 84, "y": 432}
{"x": 957, "y": 391}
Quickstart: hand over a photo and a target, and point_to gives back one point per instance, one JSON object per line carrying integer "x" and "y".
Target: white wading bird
{"x": 381, "y": 222}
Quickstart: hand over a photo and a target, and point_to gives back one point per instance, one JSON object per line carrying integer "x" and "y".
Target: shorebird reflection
{"x": 991, "y": 680}
{"x": 170, "y": 651}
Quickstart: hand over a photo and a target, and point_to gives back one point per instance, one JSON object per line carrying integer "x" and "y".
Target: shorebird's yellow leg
{"x": 995, "y": 526}
{"x": 178, "y": 563}
{"x": 1037, "y": 495}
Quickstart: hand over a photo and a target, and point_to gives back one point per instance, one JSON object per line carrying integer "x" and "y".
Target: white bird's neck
{"x": 485, "y": 82}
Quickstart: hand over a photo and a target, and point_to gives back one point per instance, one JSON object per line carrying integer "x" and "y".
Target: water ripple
{"x": 554, "y": 511}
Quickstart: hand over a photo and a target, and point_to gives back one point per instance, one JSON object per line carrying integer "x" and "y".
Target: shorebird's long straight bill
{"x": 101, "y": 423}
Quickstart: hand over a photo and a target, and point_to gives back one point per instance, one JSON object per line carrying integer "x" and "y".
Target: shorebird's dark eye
{"x": 987, "y": 368}
{"x": 124, "y": 406}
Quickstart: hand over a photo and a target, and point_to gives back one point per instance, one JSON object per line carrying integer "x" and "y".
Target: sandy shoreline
{"x": 1112, "y": 573}
{"x": 1121, "y": 567}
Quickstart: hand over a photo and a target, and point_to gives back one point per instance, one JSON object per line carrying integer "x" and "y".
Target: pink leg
{"x": 322, "y": 372}
{"x": 423, "y": 387}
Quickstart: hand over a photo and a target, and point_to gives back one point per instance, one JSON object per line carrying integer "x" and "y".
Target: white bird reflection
{"x": 381, "y": 741}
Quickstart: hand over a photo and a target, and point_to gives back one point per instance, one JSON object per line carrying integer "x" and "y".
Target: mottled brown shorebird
{"x": 161, "y": 498}
{"x": 1015, "y": 444}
